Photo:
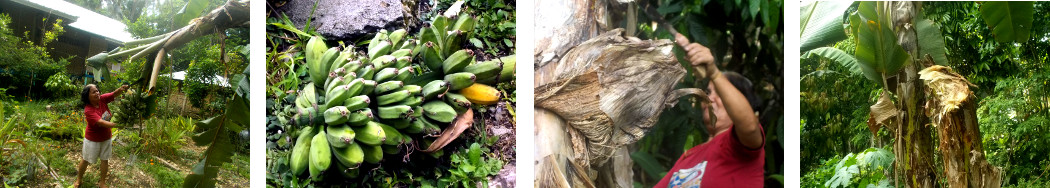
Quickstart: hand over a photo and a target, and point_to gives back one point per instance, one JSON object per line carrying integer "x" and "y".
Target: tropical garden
{"x": 426, "y": 100}
{"x": 161, "y": 139}
{"x": 922, "y": 94}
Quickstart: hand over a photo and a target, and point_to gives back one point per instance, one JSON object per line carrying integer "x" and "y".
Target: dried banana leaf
{"x": 612, "y": 89}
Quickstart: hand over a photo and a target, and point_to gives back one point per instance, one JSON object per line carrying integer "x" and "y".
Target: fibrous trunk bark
{"x": 952, "y": 110}
{"x": 913, "y": 148}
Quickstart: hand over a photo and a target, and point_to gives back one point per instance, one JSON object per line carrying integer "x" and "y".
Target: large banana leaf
{"x": 877, "y": 48}
{"x": 1009, "y": 21}
{"x": 821, "y": 23}
{"x": 931, "y": 41}
{"x": 834, "y": 54}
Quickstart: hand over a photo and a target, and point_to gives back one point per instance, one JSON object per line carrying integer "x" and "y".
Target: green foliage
{"x": 868, "y": 168}
{"x": 877, "y": 48}
{"x": 26, "y": 62}
{"x": 217, "y": 133}
{"x": 468, "y": 168}
{"x": 821, "y": 23}
{"x": 60, "y": 85}
{"x": 1010, "y": 21}
{"x": 495, "y": 27}
{"x": 200, "y": 83}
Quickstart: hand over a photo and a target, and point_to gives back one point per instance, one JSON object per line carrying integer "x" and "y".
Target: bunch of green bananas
{"x": 132, "y": 108}
{"x": 358, "y": 108}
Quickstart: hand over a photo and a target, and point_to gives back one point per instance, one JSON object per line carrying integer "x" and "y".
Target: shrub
{"x": 61, "y": 86}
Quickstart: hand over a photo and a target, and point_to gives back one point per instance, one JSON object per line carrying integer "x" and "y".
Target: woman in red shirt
{"x": 733, "y": 157}
{"x": 98, "y": 135}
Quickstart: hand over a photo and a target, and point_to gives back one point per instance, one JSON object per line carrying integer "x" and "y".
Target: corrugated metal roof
{"x": 86, "y": 20}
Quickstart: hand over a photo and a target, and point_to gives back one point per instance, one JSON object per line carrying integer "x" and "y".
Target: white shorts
{"x": 97, "y": 150}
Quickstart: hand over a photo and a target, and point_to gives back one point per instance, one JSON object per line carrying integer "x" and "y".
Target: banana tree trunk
{"x": 933, "y": 95}
{"x": 914, "y": 147}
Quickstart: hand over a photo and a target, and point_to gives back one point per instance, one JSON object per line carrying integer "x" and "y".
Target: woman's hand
{"x": 699, "y": 56}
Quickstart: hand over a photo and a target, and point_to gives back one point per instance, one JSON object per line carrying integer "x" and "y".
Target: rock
{"x": 346, "y": 19}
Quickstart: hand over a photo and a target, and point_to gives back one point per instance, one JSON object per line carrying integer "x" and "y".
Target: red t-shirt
{"x": 721, "y": 162}
{"x": 94, "y": 132}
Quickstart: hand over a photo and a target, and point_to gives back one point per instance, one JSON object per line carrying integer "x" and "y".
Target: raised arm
{"x": 746, "y": 125}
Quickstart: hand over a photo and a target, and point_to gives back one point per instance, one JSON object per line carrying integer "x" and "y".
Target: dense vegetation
{"x": 1011, "y": 93}
{"x": 42, "y": 122}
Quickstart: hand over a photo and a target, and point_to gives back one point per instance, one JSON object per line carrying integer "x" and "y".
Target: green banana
{"x": 301, "y": 151}
{"x": 403, "y": 62}
{"x": 340, "y": 136}
{"x": 400, "y": 123}
{"x": 391, "y": 149}
{"x": 401, "y": 53}
{"x": 393, "y": 137}
{"x": 412, "y": 89}
{"x": 464, "y": 23}
{"x": 429, "y": 127}
{"x": 485, "y": 69}
{"x": 307, "y": 97}
{"x": 431, "y": 57}
{"x": 415, "y": 126}
{"x": 382, "y": 48}
{"x": 380, "y": 36}
{"x": 395, "y": 111}
{"x": 393, "y": 97}
{"x": 305, "y": 116}
{"x": 435, "y": 89}
{"x": 336, "y": 115}
{"x": 325, "y": 62}
{"x": 457, "y": 61}
{"x": 384, "y": 61}
{"x": 388, "y": 86}
{"x": 458, "y": 102}
{"x": 368, "y": 86}
{"x": 357, "y": 102}
{"x": 353, "y": 66}
{"x": 454, "y": 41}
{"x": 354, "y": 87}
{"x": 360, "y": 117}
{"x": 396, "y": 36}
{"x": 350, "y": 156}
{"x": 366, "y": 72}
{"x": 385, "y": 74}
{"x": 370, "y": 134}
{"x": 320, "y": 155}
{"x": 417, "y": 112}
{"x": 373, "y": 153}
{"x": 411, "y": 100}
{"x": 507, "y": 72}
{"x": 439, "y": 111}
{"x": 460, "y": 80}
{"x": 337, "y": 95}
{"x": 314, "y": 49}
{"x": 405, "y": 73}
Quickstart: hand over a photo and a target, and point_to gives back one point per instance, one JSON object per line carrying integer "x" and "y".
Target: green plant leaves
{"x": 192, "y": 10}
{"x": 1009, "y": 21}
{"x": 867, "y": 165}
{"x": 877, "y": 48}
{"x": 217, "y": 133}
{"x": 821, "y": 23}
{"x": 931, "y": 41}
{"x": 834, "y": 54}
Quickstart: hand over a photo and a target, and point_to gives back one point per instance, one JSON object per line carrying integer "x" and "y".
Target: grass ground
{"x": 52, "y": 154}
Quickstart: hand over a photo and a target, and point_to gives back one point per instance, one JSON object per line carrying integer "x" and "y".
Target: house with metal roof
{"x": 87, "y": 33}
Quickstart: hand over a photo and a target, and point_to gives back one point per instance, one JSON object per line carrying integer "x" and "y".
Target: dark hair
{"x": 84, "y": 94}
{"x": 744, "y": 85}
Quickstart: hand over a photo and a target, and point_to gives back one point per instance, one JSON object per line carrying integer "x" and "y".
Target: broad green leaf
{"x": 877, "y": 48}
{"x": 1009, "y": 21}
{"x": 841, "y": 57}
{"x": 649, "y": 164}
{"x": 931, "y": 41}
{"x": 821, "y": 23}
{"x": 193, "y": 9}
